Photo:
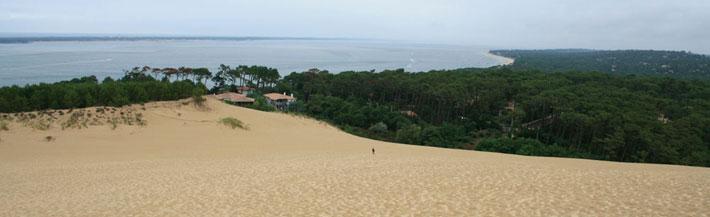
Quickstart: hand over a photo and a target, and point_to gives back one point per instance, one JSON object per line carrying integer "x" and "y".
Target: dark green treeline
{"x": 585, "y": 115}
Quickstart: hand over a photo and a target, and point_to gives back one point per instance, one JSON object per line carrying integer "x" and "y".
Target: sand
{"x": 508, "y": 60}
{"x": 189, "y": 165}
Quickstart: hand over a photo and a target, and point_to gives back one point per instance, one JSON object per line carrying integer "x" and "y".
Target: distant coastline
{"x": 508, "y": 60}
{"x": 25, "y": 40}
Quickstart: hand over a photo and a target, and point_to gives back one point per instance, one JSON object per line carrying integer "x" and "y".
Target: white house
{"x": 245, "y": 90}
{"x": 280, "y": 101}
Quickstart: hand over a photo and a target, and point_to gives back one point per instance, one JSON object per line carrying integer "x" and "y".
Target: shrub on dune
{"x": 4, "y": 126}
{"x": 233, "y": 123}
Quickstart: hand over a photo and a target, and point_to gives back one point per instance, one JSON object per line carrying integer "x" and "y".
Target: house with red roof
{"x": 245, "y": 90}
{"x": 233, "y": 97}
{"x": 280, "y": 101}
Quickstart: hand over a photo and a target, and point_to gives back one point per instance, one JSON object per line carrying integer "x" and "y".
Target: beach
{"x": 508, "y": 60}
{"x": 182, "y": 162}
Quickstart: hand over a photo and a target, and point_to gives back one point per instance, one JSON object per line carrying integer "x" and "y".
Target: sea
{"x": 48, "y": 62}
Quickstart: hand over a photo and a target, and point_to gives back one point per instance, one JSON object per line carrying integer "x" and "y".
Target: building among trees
{"x": 245, "y": 90}
{"x": 234, "y": 97}
{"x": 280, "y": 101}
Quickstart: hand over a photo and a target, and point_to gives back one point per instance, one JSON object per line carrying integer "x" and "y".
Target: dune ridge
{"x": 183, "y": 162}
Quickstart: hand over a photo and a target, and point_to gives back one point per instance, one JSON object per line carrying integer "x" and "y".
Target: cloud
{"x": 606, "y": 24}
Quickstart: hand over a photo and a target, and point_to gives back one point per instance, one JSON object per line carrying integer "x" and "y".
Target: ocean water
{"x": 55, "y": 61}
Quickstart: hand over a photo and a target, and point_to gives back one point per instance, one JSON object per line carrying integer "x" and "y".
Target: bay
{"x": 47, "y": 62}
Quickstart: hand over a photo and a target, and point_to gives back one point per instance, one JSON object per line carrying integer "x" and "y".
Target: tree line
{"x": 574, "y": 114}
{"x": 675, "y": 64}
{"x": 134, "y": 87}
{"x": 138, "y": 85}
{"x": 258, "y": 77}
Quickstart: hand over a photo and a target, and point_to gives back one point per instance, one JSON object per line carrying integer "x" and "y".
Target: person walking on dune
{"x": 373, "y": 151}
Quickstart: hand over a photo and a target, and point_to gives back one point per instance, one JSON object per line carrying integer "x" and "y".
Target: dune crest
{"x": 183, "y": 161}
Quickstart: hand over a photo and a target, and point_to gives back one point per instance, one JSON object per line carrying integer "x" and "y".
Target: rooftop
{"x": 245, "y": 88}
{"x": 278, "y": 96}
{"x": 234, "y": 97}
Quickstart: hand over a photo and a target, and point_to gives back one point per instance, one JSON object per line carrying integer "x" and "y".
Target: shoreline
{"x": 508, "y": 60}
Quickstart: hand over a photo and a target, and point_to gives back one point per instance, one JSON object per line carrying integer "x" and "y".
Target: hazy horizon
{"x": 506, "y": 24}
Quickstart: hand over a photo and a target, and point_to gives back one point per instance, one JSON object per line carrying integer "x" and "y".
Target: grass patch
{"x": 112, "y": 123}
{"x": 74, "y": 121}
{"x": 233, "y": 123}
{"x": 198, "y": 100}
{"x": 40, "y": 125}
{"x": 139, "y": 120}
{"x": 4, "y": 126}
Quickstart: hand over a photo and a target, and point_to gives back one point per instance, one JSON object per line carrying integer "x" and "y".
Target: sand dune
{"x": 184, "y": 163}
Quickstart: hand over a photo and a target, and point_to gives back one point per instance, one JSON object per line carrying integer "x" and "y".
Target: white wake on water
{"x": 411, "y": 61}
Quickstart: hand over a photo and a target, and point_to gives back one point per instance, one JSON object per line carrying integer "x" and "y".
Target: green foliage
{"x": 522, "y": 146}
{"x": 233, "y": 123}
{"x": 388, "y": 136}
{"x": 202, "y": 74}
{"x": 198, "y": 100}
{"x": 87, "y": 79}
{"x": 351, "y": 112}
{"x": 675, "y": 64}
{"x": 447, "y": 135}
{"x": 74, "y": 121}
{"x": 585, "y": 115}
{"x": 66, "y": 95}
{"x": 378, "y": 127}
{"x": 260, "y": 104}
{"x": 259, "y": 77}
{"x": 411, "y": 134}
{"x": 573, "y": 114}
{"x": 297, "y": 107}
{"x": 108, "y": 79}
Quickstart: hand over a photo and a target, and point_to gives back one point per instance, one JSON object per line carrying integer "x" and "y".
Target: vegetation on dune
{"x": 74, "y": 121}
{"x": 39, "y": 124}
{"x": 4, "y": 126}
{"x": 199, "y": 101}
{"x": 675, "y": 64}
{"x": 233, "y": 123}
{"x": 84, "y": 118}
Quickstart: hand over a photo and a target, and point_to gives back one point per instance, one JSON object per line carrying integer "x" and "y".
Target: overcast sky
{"x": 601, "y": 24}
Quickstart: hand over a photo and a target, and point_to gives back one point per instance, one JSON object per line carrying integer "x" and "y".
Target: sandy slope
{"x": 286, "y": 165}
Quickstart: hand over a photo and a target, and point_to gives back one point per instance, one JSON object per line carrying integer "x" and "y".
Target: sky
{"x": 524, "y": 24}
